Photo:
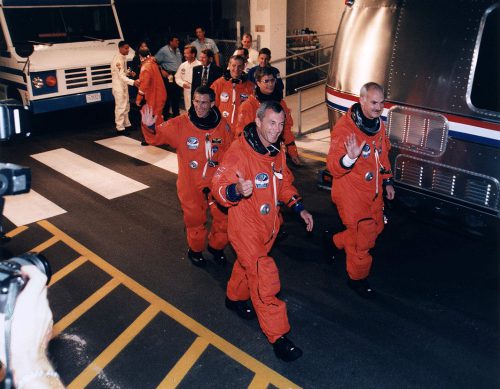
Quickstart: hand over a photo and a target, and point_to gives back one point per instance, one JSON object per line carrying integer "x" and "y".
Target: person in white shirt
{"x": 119, "y": 86}
{"x": 253, "y": 55}
{"x": 184, "y": 75}
{"x": 202, "y": 43}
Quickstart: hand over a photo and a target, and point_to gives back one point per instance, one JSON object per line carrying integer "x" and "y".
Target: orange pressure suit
{"x": 230, "y": 94}
{"x": 357, "y": 192}
{"x": 199, "y": 151}
{"x": 247, "y": 114}
{"x": 254, "y": 224}
{"x": 152, "y": 88}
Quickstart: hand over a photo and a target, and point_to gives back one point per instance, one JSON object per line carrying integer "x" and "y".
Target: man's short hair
{"x": 265, "y": 51}
{"x": 244, "y": 49}
{"x": 209, "y": 53}
{"x": 122, "y": 43}
{"x": 369, "y": 86}
{"x": 261, "y": 72}
{"x": 172, "y": 37}
{"x": 270, "y": 104}
{"x": 205, "y": 90}
{"x": 201, "y": 28}
{"x": 247, "y": 34}
{"x": 237, "y": 58}
{"x": 192, "y": 49}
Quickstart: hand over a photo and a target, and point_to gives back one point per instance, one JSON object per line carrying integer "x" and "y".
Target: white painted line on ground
{"x": 29, "y": 208}
{"x": 97, "y": 178}
{"x": 153, "y": 155}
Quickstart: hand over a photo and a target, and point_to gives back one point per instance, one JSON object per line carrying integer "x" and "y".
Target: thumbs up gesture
{"x": 243, "y": 187}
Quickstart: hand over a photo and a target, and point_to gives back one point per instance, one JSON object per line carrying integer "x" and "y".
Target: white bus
{"x": 56, "y": 54}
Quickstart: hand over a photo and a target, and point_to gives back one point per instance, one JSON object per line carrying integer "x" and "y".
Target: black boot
{"x": 217, "y": 255}
{"x": 196, "y": 257}
{"x": 286, "y": 350}
{"x": 361, "y": 287}
{"x": 244, "y": 310}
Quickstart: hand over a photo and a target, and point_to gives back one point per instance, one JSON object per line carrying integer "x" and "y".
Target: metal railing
{"x": 300, "y": 110}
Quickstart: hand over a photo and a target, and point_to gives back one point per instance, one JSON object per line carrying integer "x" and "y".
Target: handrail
{"x": 300, "y": 54}
{"x": 311, "y": 85}
{"x": 305, "y": 70}
{"x": 306, "y": 35}
{"x": 300, "y": 110}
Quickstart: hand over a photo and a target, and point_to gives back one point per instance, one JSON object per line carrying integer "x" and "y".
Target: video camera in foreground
{"x": 12, "y": 281}
{"x": 14, "y": 179}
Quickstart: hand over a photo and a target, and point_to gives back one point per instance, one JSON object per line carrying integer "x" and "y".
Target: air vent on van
{"x": 447, "y": 180}
{"x": 76, "y": 78}
{"x": 420, "y": 131}
{"x": 100, "y": 74}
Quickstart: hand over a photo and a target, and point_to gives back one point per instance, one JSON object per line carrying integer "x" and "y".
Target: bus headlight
{"x": 37, "y": 82}
{"x": 44, "y": 82}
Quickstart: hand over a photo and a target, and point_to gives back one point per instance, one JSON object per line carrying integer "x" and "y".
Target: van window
{"x": 61, "y": 25}
{"x": 485, "y": 93}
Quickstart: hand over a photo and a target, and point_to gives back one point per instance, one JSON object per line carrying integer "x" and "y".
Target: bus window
{"x": 485, "y": 90}
{"x": 61, "y": 25}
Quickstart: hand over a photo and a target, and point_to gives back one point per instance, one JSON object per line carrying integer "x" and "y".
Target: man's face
{"x": 202, "y": 105}
{"x": 124, "y": 50}
{"x": 174, "y": 43}
{"x": 246, "y": 42}
{"x": 235, "y": 68}
{"x": 205, "y": 59}
{"x": 263, "y": 60}
{"x": 188, "y": 55}
{"x": 200, "y": 34}
{"x": 270, "y": 127}
{"x": 267, "y": 84}
{"x": 372, "y": 104}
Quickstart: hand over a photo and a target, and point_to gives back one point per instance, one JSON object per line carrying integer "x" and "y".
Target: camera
{"x": 14, "y": 179}
{"x": 12, "y": 281}
{"x": 14, "y": 119}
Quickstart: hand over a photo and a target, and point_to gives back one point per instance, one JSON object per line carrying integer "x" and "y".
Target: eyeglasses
{"x": 269, "y": 80}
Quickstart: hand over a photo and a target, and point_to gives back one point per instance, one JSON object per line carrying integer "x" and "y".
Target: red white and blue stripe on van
{"x": 467, "y": 129}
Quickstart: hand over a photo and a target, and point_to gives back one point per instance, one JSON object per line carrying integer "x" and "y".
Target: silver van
{"x": 438, "y": 61}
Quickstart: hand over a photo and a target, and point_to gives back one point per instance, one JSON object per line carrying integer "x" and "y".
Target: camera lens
{"x": 35, "y": 259}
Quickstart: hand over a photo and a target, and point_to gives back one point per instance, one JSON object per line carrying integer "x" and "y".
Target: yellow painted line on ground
{"x": 67, "y": 269}
{"x": 45, "y": 245}
{"x": 312, "y": 156}
{"x": 232, "y": 351}
{"x": 16, "y": 231}
{"x": 98, "y": 364}
{"x": 258, "y": 382}
{"x": 184, "y": 364}
{"x": 80, "y": 310}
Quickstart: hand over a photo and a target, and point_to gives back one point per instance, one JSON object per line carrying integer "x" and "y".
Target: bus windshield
{"x": 41, "y": 25}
